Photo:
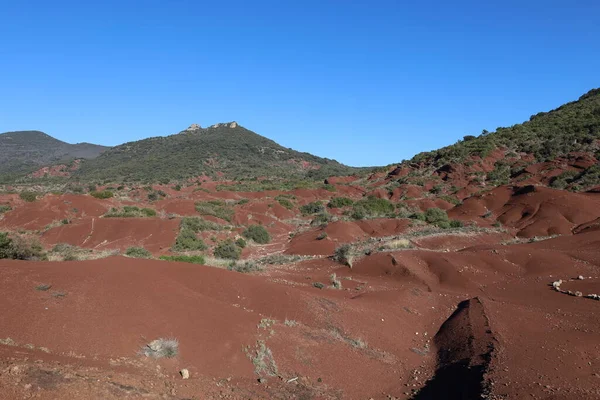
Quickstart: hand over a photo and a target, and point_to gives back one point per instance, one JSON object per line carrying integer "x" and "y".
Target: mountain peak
{"x": 231, "y": 124}
{"x": 194, "y": 127}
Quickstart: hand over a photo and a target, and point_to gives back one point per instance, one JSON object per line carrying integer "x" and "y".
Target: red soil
{"x": 51, "y": 208}
{"x": 154, "y": 234}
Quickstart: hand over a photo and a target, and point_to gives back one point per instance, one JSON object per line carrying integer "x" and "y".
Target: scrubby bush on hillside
{"x": 372, "y": 207}
{"x": 4, "y": 208}
{"x": 188, "y": 241}
{"x": 18, "y": 248}
{"x": 257, "y": 233}
{"x": 130, "y": 212}
{"x": 241, "y": 243}
{"x": 312, "y": 208}
{"x": 228, "y": 250}
{"x": 138, "y": 252}
{"x": 285, "y": 202}
{"x": 215, "y": 208}
{"x": 198, "y": 259}
{"x": 197, "y": 224}
{"x": 28, "y": 196}
{"x": 343, "y": 254}
{"x": 105, "y": 194}
{"x": 340, "y": 202}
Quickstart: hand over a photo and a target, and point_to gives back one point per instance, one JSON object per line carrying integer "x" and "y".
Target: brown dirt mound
{"x": 153, "y": 234}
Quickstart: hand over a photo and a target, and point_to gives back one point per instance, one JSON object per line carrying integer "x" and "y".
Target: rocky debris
{"x": 232, "y": 124}
{"x": 185, "y": 374}
{"x": 580, "y": 277}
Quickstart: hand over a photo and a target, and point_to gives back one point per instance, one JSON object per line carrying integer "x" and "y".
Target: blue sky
{"x": 362, "y": 82}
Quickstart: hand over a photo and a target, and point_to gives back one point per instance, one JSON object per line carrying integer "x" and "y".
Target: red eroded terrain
{"x": 413, "y": 308}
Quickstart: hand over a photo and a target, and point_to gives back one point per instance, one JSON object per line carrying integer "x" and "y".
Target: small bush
{"x": 318, "y": 285}
{"x": 285, "y": 203}
{"x": 373, "y": 207}
{"x": 130, "y": 212}
{"x": 18, "y": 248}
{"x": 152, "y": 196}
{"x": 188, "y": 241}
{"x": 241, "y": 243}
{"x": 161, "y": 348}
{"x": 4, "y": 208}
{"x": 177, "y": 187}
{"x": 343, "y": 255}
{"x": 188, "y": 259}
{"x": 43, "y": 287}
{"x": 312, "y": 208}
{"x": 105, "y": 194}
{"x": 436, "y": 216}
{"x": 138, "y": 252}
{"x": 28, "y": 196}
{"x": 257, "y": 233}
{"x": 227, "y": 250}
{"x": 322, "y": 235}
{"x": 335, "y": 282}
{"x": 321, "y": 219}
{"x": 197, "y": 224}
{"x": 340, "y": 202}
{"x": 245, "y": 268}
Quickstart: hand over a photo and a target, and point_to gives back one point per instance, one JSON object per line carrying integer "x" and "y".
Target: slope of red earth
{"x": 532, "y": 210}
{"x": 154, "y": 234}
{"x": 406, "y": 324}
{"x": 52, "y": 208}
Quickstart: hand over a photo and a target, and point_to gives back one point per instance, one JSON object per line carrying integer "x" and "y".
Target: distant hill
{"x": 572, "y": 127}
{"x": 222, "y": 150}
{"x": 23, "y": 152}
{"x": 559, "y": 148}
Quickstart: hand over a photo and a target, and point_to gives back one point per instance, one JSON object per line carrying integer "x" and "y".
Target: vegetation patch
{"x": 4, "y": 208}
{"x": 343, "y": 255}
{"x": 227, "y": 249}
{"x": 197, "y": 224}
{"x": 29, "y": 196}
{"x": 257, "y": 233}
{"x": 105, "y": 194}
{"x": 340, "y": 202}
{"x": 373, "y": 207}
{"x": 262, "y": 359}
{"x": 161, "y": 348}
{"x": 245, "y": 267}
{"x": 187, "y": 240}
{"x": 17, "y": 247}
{"x": 197, "y": 259}
{"x": 138, "y": 252}
{"x": 215, "y": 208}
{"x": 314, "y": 207}
{"x": 130, "y": 212}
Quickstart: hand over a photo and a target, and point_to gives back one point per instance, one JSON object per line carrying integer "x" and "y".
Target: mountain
{"x": 22, "y": 152}
{"x": 225, "y": 149}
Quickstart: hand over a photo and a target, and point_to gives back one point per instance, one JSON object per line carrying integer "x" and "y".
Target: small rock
{"x": 262, "y": 380}
{"x": 578, "y": 294}
{"x": 580, "y": 277}
{"x": 185, "y": 374}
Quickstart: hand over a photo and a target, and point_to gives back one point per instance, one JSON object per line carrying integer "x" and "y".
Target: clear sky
{"x": 363, "y": 82}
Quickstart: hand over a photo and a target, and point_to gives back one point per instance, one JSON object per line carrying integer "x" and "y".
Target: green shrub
{"x": 138, "y": 252}
{"x": 241, "y": 243}
{"x": 215, "y": 208}
{"x": 188, "y": 259}
{"x": 4, "y": 208}
{"x": 105, "y": 194}
{"x": 152, "y": 196}
{"x": 198, "y": 224}
{"x": 285, "y": 203}
{"x": 340, "y": 202}
{"x": 450, "y": 199}
{"x": 28, "y": 196}
{"x": 228, "y": 250}
{"x": 343, "y": 254}
{"x": 321, "y": 219}
{"x": 322, "y": 235}
{"x": 436, "y": 216}
{"x": 246, "y": 267}
{"x": 18, "y": 248}
{"x": 456, "y": 224}
{"x": 372, "y": 207}
{"x": 177, "y": 187}
{"x": 257, "y": 233}
{"x": 312, "y": 208}
{"x": 188, "y": 241}
{"x": 130, "y": 212}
